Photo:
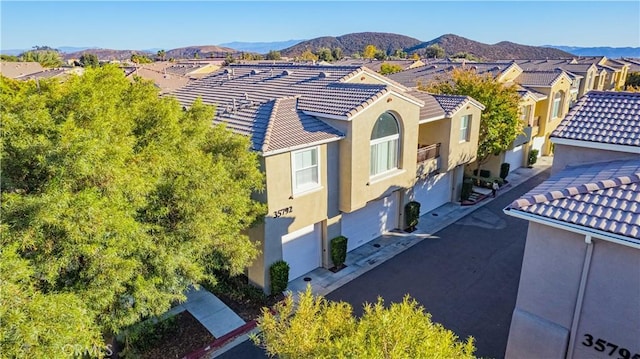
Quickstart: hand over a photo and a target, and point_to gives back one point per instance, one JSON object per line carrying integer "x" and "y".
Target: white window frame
{"x": 526, "y": 113}
{"x": 379, "y": 141}
{"x": 556, "y": 108}
{"x": 310, "y": 186}
{"x": 465, "y": 127}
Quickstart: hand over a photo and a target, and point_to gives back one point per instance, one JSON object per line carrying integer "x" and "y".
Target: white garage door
{"x": 301, "y": 250}
{"x": 433, "y": 192}
{"x": 514, "y": 158}
{"x": 538, "y": 142}
{"x": 371, "y": 221}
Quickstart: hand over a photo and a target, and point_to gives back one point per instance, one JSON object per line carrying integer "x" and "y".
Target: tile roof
{"x": 431, "y": 108}
{"x": 452, "y": 103}
{"x": 602, "y": 196}
{"x": 17, "y": 69}
{"x": 539, "y": 78}
{"x": 604, "y": 117}
{"x": 434, "y": 71}
{"x": 289, "y": 127}
{"x": 276, "y": 104}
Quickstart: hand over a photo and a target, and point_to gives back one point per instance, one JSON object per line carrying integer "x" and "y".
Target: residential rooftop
{"x": 604, "y": 117}
{"x": 602, "y": 198}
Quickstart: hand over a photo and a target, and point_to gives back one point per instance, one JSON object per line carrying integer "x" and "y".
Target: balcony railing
{"x": 427, "y": 152}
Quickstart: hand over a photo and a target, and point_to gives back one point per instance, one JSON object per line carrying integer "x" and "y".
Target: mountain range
{"x": 355, "y": 42}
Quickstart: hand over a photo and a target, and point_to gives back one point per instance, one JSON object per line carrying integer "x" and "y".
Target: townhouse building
{"x": 579, "y": 292}
{"x": 343, "y": 150}
{"x": 545, "y": 99}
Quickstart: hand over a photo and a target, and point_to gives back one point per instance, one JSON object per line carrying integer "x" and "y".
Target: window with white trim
{"x": 557, "y": 105}
{"x": 465, "y": 124}
{"x": 385, "y": 139}
{"x": 305, "y": 169}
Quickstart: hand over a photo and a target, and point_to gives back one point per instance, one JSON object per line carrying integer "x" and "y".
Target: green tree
{"x": 380, "y": 55}
{"x": 317, "y": 328}
{"x": 369, "y": 52}
{"x": 387, "y": 68}
{"x": 89, "y": 60}
{"x": 324, "y": 54}
{"x": 161, "y": 54}
{"x": 434, "y": 51}
{"x": 46, "y": 58}
{"x": 337, "y": 53}
{"x": 9, "y": 58}
{"x": 499, "y": 122}
{"x": 633, "y": 80}
{"x": 140, "y": 59}
{"x": 114, "y": 201}
{"x": 399, "y": 54}
{"x": 307, "y": 55}
{"x": 466, "y": 56}
{"x": 273, "y": 55}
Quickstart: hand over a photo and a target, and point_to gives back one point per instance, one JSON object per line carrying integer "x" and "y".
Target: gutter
{"x": 596, "y": 145}
{"x": 610, "y": 237}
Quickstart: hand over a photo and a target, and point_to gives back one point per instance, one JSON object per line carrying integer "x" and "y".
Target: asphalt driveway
{"x": 467, "y": 277}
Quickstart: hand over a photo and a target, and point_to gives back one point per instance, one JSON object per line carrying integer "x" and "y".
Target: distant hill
{"x": 356, "y": 42}
{"x": 503, "y": 50}
{"x": 261, "y": 47}
{"x": 610, "y": 52}
{"x": 452, "y": 44}
{"x": 190, "y": 52}
{"x": 106, "y": 54}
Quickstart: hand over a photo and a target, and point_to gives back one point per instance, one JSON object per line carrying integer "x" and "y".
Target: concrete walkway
{"x": 210, "y": 311}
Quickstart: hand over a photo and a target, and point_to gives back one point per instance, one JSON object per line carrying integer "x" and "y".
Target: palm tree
{"x": 162, "y": 54}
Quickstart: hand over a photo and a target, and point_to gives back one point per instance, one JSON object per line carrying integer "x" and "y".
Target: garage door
{"x": 301, "y": 249}
{"x": 371, "y": 221}
{"x": 538, "y": 142}
{"x": 433, "y": 192}
{"x": 514, "y": 158}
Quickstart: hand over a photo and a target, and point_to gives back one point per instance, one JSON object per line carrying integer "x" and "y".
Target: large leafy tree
{"x": 369, "y": 52}
{"x": 89, "y": 60}
{"x": 45, "y": 56}
{"x": 114, "y": 201}
{"x": 499, "y": 122}
{"x": 317, "y": 328}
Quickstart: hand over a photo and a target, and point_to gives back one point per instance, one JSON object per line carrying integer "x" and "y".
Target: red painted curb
{"x": 218, "y": 342}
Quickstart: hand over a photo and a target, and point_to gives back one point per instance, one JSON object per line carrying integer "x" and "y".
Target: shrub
{"x": 483, "y": 173}
{"x": 467, "y": 188}
{"x": 504, "y": 170}
{"x": 339, "y": 251}
{"x": 533, "y": 157}
{"x": 279, "y": 273}
{"x": 412, "y": 214}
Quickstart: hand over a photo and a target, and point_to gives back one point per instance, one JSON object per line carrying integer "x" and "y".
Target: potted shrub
{"x": 279, "y": 273}
{"x": 533, "y": 157}
{"x": 467, "y": 188}
{"x": 411, "y": 215}
{"x": 504, "y": 170}
{"x": 339, "y": 251}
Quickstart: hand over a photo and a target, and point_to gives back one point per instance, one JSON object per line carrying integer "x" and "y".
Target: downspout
{"x": 579, "y": 301}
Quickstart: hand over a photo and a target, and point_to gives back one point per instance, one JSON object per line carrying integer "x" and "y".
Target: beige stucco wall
{"x": 356, "y": 186}
{"x": 544, "y": 109}
{"x": 571, "y": 155}
{"x": 548, "y": 294}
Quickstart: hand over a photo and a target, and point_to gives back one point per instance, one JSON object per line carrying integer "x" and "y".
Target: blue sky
{"x": 171, "y": 24}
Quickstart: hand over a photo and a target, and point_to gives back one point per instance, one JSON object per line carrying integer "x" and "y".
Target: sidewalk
{"x": 381, "y": 249}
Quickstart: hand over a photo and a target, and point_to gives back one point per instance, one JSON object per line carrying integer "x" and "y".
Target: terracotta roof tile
{"x": 602, "y": 196}
{"x": 538, "y": 78}
{"x": 604, "y": 117}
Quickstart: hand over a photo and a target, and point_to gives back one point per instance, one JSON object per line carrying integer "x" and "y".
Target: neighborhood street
{"x": 467, "y": 277}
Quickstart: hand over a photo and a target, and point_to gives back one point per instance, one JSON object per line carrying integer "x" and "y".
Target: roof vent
{"x": 323, "y": 74}
{"x": 287, "y": 72}
{"x": 474, "y": 67}
{"x": 226, "y": 71}
{"x": 246, "y": 96}
{"x": 255, "y": 72}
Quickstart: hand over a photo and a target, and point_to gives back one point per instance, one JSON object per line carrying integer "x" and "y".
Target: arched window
{"x": 557, "y": 105}
{"x": 384, "y": 144}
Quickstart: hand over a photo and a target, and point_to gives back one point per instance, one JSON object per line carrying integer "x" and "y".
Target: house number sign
{"x": 613, "y": 350}
{"x": 287, "y": 210}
